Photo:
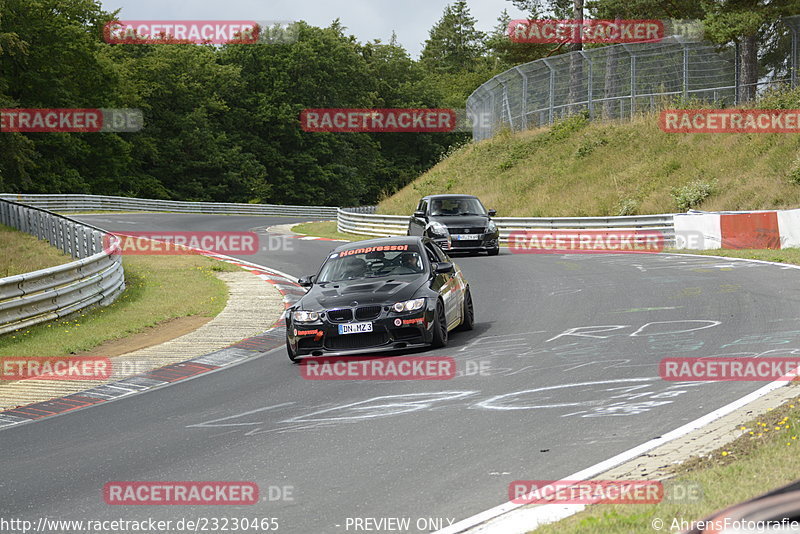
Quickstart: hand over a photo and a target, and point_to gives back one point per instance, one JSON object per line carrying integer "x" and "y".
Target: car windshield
{"x": 457, "y": 206}
{"x": 371, "y": 262}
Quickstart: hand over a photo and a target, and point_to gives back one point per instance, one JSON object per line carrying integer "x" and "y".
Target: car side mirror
{"x": 306, "y": 281}
{"x": 419, "y": 214}
{"x": 492, "y": 213}
{"x": 443, "y": 267}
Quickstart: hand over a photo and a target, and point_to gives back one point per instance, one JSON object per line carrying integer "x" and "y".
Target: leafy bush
{"x": 794, "y": 172}
{"x": 692, "y": 194}
{"x": 453, "y": 148}
{"x": 627, "y": 206}
{"x": 780, "y": 99}
{"x": 588, "y": 146}
{"x": 569, "y": 125}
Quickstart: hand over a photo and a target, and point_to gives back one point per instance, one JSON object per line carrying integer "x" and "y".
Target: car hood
{"x": 465, "y": 221}
{"x": 352, "y": 293}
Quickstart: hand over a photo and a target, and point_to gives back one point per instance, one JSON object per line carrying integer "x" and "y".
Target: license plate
{"x": 355, "y": 328}
{"x": 466, "y": 237}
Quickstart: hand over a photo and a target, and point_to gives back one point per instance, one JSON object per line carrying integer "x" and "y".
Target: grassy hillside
{"x": 582, "y": 168}
{"x": 23, "y": 253}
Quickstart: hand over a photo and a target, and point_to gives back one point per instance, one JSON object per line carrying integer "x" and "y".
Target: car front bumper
{"x": 485, "y": 243}
{"x": 323, "y": 337}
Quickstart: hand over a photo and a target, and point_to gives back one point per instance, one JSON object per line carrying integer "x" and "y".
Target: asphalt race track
{"x": 569, "y": 347}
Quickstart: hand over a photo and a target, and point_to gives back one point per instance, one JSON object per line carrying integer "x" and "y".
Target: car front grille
{"x": 340, "y": 316}
{"x": 357, "y": 341}
{"x": 472, "y": 243}
{"x": 462, "y": 230}
{"x": 366, "y": 313}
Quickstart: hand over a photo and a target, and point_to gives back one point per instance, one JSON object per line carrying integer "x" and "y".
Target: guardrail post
{"x": 73, "y": 239}
{"x": 82, "y": 242}
{"x": 61, "y": 236}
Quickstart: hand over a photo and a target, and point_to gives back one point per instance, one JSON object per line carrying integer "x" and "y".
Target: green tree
{"x": 16, "y": 150}
{"x": 454, "y": 45}
{"x": 50, "y": 59}
{"x": 185, "y": 150}
{"x": 322, "y": 69}
{"x": 506, "y": 53}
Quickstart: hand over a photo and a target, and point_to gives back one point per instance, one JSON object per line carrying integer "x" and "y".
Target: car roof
{"x": 382, "y": 242}
{"x": 449, "y": 195}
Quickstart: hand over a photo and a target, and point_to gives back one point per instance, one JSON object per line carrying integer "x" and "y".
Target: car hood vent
{"x": 384, "y": 292}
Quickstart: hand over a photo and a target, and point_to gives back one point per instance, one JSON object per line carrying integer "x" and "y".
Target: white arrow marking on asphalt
{"x": 211, "y": 424}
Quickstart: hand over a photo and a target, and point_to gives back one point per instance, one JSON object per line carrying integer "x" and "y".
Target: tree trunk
{"x": 611, "y": 85}
{"x": 577, "y": 92}
{"x": 748, "y": 68}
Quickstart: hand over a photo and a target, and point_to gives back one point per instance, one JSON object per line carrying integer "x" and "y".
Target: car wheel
{"x": 292, "y": 354}
{"x": 494, "y": 251}
{"x": 468, "y": 319}
{"x": 439, "y": 327}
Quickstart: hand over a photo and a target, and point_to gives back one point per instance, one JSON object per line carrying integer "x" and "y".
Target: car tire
{"x": 292, "y": 354}
{"x": 468, "y": 317}
{"x": 439, "y": 327}
{"x": 494, "y": 251}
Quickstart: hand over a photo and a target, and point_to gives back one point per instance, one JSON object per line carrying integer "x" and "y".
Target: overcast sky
{"x": 366, "y": 19}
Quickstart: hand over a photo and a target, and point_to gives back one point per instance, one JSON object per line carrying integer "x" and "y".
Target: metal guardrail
{"x": 75, "y": 203}
{"x": 96, "y": 278}
{"x": 371, "y": 224}
{"x": 392, "y": 225}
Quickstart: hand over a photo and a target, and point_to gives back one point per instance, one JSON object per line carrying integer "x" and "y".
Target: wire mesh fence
{"x": 612, "y": 82}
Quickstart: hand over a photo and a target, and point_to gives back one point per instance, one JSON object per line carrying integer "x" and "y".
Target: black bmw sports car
{"x": 381, "y": 294}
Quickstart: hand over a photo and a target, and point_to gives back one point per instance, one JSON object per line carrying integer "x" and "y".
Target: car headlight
{"x": 305, "y": 316}
{"x": 438, "y": 228}
{"x": 492, "y": 228}
{"x": 409, "y": 305}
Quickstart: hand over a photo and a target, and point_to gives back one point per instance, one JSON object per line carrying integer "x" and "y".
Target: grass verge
{"x": 23, "y": 253}
{"x": 327, "y": 229}
{"x": 158, "y": 288}
{"x": 762, "y": 459}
